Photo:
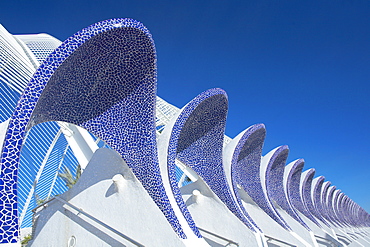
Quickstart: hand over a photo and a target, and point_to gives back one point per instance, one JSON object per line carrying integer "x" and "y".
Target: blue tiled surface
{"x": 317, "y": 200}
{"x": 246, "y": 159}
{"x": 306, "y": 195}
{"x": 197, "y": 140}
{"x": 104, "y": 79}
{"x": 288, "y": 205}
{"x": 298, "y": 199}
{"x": 329, "y": 205}
{"x": 246, "y": 169}
{"x": 323, "y": 206}
{"x": 274, "y": 181}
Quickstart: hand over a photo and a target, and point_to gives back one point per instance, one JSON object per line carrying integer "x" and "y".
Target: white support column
{"x": 80, "y": 141}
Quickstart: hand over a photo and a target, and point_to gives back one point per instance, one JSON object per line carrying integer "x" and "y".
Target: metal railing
{"x": 80, "y": 211}
{"x": 229, "y": 242}
{"x": 278, "y": 242}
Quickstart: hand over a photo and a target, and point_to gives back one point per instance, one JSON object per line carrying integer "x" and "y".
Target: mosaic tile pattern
{"x": 363, "y": 217}
{"x": 339, "y": 209}
{"x": 349, "y": 209}
{"x": 246, "y": 156}
{"x": 306, "y": 189}
{"x": 288, "y": 205}
{"x": 334, "y": 207}
{"x": 351, "y": 212}
{"x": 272, "y": 172}
{"x": 346, "y": 207}
{"x": 197, "y": 140}
{"x": 329, "y": 205}
{"x": 337, "y": 203}
{"x": 104, "y": 79}
{"x": 329, "y": 200}
{"x": 296, "y": 193}
{"x": 245, "y": 169}
{"x": 305, "y": 192}
{"x": 316, "y": 199}
{"x": 350, "y": 216}
{"x": 346, "y": 210}
{"x": 323, "y": 207}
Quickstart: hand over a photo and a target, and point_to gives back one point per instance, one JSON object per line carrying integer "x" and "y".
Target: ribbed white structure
{"x": 15, "y": 70}
{"x": 41, "y": 45}
{"x": 164, "y": 112}
{"x": 44, "y": 149}
{"x": 47, "y": 149}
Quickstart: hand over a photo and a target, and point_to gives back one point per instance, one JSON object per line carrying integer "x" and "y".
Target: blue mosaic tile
{"x": 323, "y": 205}
{"x": 345, "y": 209}
{"x": 103, "y": 78}
{"x": 334, "y": 211}
{"x": 316, "y": 195}
{"x": 296, "y": 194}
{"x": 329, "y": 206}
{"x": 197, "y": 140}
{"x": 245, "y": 159}
{"x": 288, "y": 205}
{"x": 339, "y": 209}
{"x": 270, "y": 176}
{"x": 306, "y": 182}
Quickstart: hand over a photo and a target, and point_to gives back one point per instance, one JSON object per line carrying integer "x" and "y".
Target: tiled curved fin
{"x": 315, "y": 197}
{"x": 323, "y": 208}
{"x": 103, "y": 78}
{"x": 197, "y": 141}
{"x": 339, "y": 209}
{"x": 348, "y": 211}
{"x": 364, "y": 218}
{"x": 241, "y": 155}
{"x": 333, "y": 207}
{"x": 271, "y": 174}
{"x": 328, "y": 204}
{"x": 349, "y": 208}
{"x": 343, "y": 209}
{"x": 295, "y": 190}
{"x": 305, "y": 194}
{"x": 288, "y": 206}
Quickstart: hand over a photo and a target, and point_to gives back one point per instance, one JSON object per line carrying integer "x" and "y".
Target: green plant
{"x": 68, "y": 178}
{"x": 26, "y": 239}
{"x": 38, "y": 200}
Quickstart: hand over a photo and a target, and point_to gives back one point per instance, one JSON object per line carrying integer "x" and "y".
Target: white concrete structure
{"x": 109, "y": 206}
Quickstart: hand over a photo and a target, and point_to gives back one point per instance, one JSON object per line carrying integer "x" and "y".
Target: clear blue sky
{"x": 300, "y": 67}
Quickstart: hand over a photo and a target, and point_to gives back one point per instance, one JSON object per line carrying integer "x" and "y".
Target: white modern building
{"x": 50, "y": 147}
{"x": 246, "y": 199}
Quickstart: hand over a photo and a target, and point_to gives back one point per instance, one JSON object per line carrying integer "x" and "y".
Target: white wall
{"x": 124, "y": 205}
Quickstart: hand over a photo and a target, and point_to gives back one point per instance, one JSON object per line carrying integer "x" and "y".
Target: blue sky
{"x": 300, "y": 67}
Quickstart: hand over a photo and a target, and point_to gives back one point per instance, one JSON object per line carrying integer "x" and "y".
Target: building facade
{"x": 61, "y": 102}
